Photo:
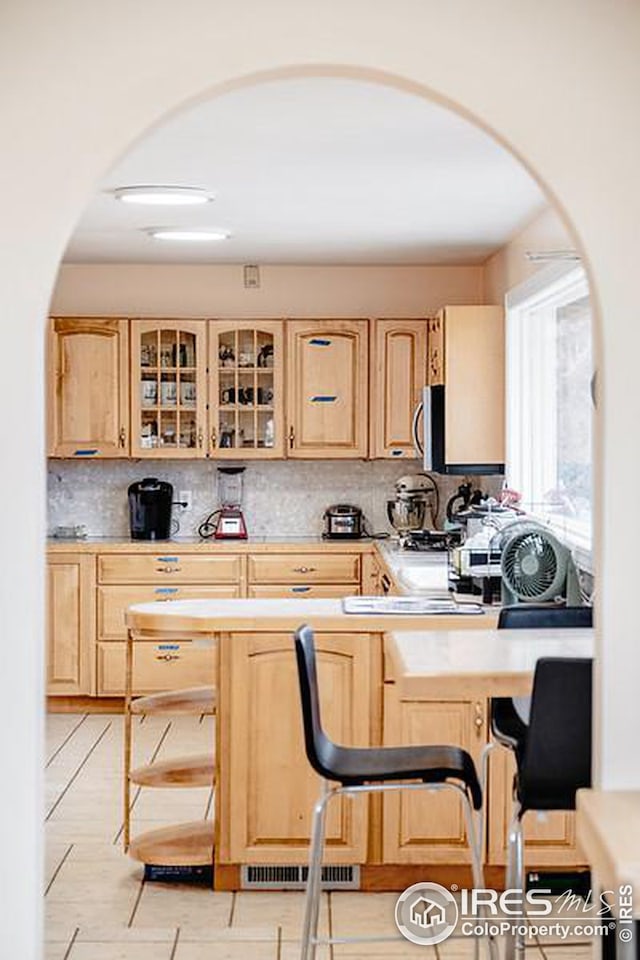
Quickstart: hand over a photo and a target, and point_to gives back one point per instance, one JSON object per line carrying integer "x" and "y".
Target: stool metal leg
{"x": 314, "y": 889}
{"x": 515, "y": 880}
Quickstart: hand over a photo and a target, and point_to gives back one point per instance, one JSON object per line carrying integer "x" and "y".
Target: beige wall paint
{"x": 197, "y": 290}
{"x": 509, "y": 266}
{"x": 81, "y": 80}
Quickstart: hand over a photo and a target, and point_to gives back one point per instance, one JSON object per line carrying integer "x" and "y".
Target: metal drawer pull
{"x": 304, "y": 569}
{"x": 167, "y": 657}
{"x": 168, "y": 569}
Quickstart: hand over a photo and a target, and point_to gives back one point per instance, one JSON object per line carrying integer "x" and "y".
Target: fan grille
{"x": 530, "y": 564}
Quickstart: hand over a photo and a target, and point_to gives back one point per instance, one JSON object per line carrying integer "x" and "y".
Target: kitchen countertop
{"x": 271, "y": 615}
{"x": 198, "y": 545}
{"x": 608, "y": 832}
{"x": 492, "y": 663}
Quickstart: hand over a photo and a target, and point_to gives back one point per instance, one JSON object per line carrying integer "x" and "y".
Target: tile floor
{"x": 99, "y": 908}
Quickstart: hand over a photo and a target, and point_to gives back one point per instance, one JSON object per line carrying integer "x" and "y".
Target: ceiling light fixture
{"x": 163, "y": 196}
{"x": 195, "y": 236}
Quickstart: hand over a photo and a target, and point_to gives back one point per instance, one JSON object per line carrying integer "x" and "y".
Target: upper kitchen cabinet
{"x": 88, "y": 390}
{"x": 466, "y": 366}
{"x": 327, "y": 385}
{"x": 168, "y": 388}
{"x": 398, "y": 361}
{"x": 246, "y": 400}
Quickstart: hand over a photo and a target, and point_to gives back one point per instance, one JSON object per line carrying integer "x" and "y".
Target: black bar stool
{"x": 553, "y": 755}
{"x": 356, "y": 770}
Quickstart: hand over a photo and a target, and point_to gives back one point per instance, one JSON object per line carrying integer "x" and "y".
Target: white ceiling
{"x": 316, "y": 170}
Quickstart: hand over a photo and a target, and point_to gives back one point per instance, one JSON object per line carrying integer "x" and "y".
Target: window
{"x": 549, "y": 405}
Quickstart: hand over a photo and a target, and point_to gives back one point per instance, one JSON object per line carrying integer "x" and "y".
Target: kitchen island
{"x": 370, "y": 696}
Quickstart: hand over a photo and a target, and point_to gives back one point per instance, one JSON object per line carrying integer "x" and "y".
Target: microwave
{"x": 435, "y": 447}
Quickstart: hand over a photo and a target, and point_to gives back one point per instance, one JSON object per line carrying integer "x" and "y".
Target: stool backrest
{"x": 317, "y": 745}
{"x": 536, "y": 617}
{"x": 557, "y": 755}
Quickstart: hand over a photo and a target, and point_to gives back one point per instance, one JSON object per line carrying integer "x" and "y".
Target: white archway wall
{"x": 81, "y": 80}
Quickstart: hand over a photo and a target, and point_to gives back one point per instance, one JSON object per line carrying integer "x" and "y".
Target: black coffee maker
{"x": 150, "y": 509}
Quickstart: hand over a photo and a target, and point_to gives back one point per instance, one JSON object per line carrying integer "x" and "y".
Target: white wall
{"x": 285, "y": 291}
{"x": 510, "y": 266}
{"x": 80, "y": 80}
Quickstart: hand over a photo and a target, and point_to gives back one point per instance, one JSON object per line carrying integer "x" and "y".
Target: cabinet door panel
{"x": 428, "y": 827}
{"x": 474, "y": 387}
{"x": 167, "y": 665}
{"x": 302, "y": 591}
{"x": 304, "y": 568}
{"x": 167, "y": 568}
{"x": 70, "y": 626}
{"x": 246, "y": 398}
{"x": 549, "y": 838}
{"x": 88, "y": 406}
{"x": 398, "y": 376}
{"x": 113, "y": 602}
{"x": 327, "y": 388}
{"x": 264, "y": 761}
{"x": 168, "y": 388}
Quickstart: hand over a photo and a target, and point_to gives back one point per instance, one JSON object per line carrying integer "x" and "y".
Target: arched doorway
{"x": 547, "y": 115}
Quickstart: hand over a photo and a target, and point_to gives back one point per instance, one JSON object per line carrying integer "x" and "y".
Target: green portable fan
{"x": 536, "y": 567}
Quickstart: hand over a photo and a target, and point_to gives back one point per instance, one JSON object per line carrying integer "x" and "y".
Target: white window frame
{"x": 531, "y": 395}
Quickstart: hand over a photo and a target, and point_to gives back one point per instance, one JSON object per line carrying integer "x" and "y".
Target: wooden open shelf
{"x": 182, "y": 772}
{"x": 191, "y": 700}
{"x": 181, "y": 845}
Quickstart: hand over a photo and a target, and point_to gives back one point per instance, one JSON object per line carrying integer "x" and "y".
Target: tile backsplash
{"x": 281, "y": 498}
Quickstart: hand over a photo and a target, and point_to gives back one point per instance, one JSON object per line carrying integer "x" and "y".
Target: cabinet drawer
{"x": 304, "y": 568}
{"x": 167, "y": 565}
{"x": 169, "y": 665}
{"x": 300, "y": 591}
{"x": 113, "y": 602}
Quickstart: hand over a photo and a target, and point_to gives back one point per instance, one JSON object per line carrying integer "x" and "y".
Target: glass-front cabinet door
{"x": 246, "y": 397}
{"x": 168, "y": 385}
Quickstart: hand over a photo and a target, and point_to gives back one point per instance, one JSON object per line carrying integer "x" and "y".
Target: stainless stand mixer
{"x": 415, "y": 502}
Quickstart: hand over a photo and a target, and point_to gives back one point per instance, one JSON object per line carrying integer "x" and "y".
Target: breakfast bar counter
{"x": 384, "y": 680}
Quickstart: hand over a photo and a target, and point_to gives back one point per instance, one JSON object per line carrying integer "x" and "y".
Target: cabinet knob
{"x": 304, "y": 569}
{"x": 214, "y": 438}
{"x": 168, "y": 657}
{"x": 122, "y": 437}
{"x": 168, "y": 569}
{"x": 200, "y": 438}
{"x": 292, "y": 437}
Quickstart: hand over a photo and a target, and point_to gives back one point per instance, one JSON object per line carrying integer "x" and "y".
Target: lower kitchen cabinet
{"x": 169, "y": 665}
{"x": 428, "y": 827}
{"x": 71, "y": 624}
{"x": 266, "y": 788}
{"x": 549, "y": 836}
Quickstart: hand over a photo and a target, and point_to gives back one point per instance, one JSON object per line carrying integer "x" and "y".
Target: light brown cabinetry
{"x": 125, "y": 579}
{"x": 88, "y": 387}
{"x": 70, "y": 624}
{"x": 550, "y": 839}
{"x": 327, "y": 384}
{"x": 246, "y": 399}
{"x": 168, "y": 388}
{"x": 398, "y": 362}
{"x": 304, "y": 575}
{"x": 262, "y": 759}
{"x": 474, "y": 381}
{"x": 422, "y": 827}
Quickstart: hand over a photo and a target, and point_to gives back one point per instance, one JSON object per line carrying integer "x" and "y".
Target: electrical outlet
{"x": 186, "y": 499}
